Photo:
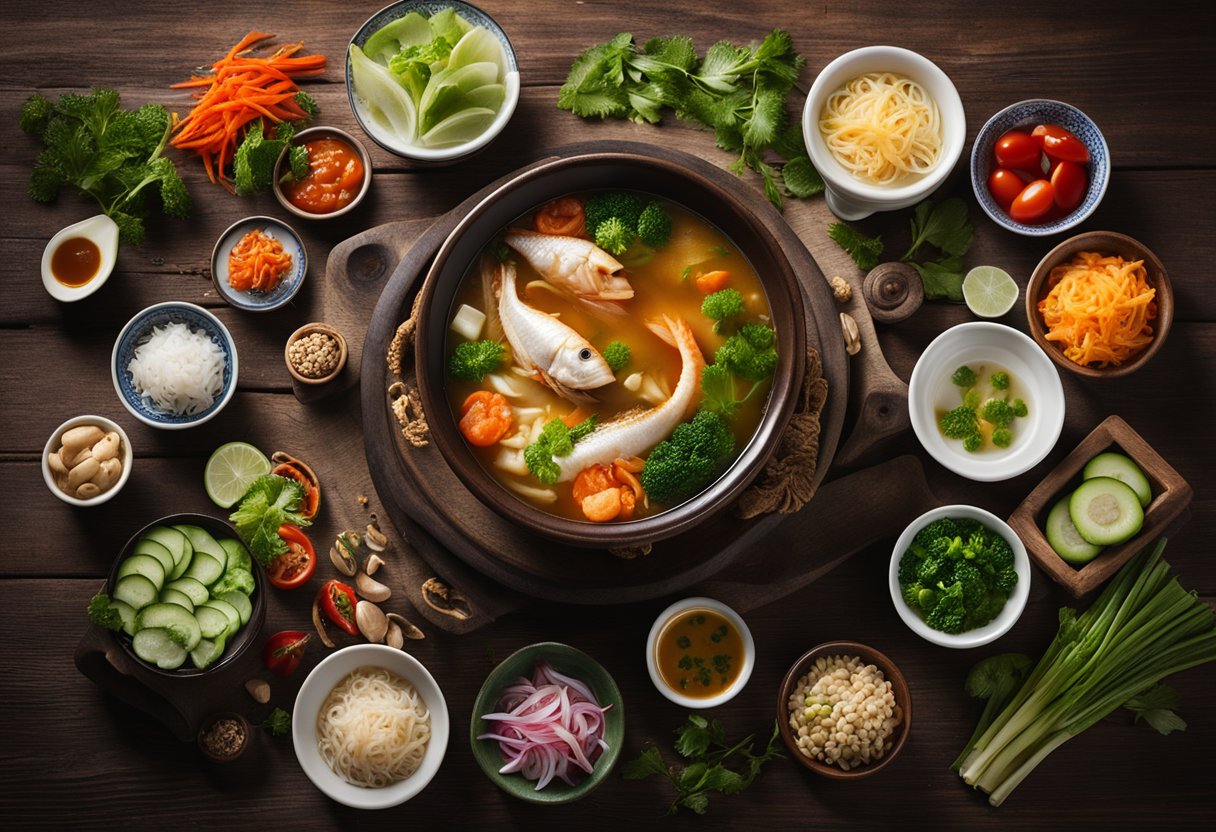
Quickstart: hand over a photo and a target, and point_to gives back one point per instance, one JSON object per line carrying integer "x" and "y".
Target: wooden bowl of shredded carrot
{"x": 1100, "y": 304}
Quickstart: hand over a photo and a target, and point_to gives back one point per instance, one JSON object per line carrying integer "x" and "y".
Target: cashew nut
{"x": 88, "y": 491}
{"x": 82, "y": 473}
{"x": 107, "y": 447}
{"x": 111, "y": 470}
{"x": 73, "y": 461}
{"x": 78, "y": 438}
{"x": 55, "y": 462}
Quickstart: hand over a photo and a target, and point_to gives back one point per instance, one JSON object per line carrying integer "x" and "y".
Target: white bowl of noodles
{"x": 884, "y": 126}
{"x": 361, "y": 693}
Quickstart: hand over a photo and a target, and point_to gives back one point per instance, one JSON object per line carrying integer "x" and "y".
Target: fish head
{"x": 579, "y": 366}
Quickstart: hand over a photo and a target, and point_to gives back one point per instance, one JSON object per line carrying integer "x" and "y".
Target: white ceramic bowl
{"x": 848, "y": 197}
{"x": 323, "y": 678}
{"x": 52, "y": 445}
{"x": 1034, "y": 435}
{"x": 103, "y": 233}
{"x": 1012, "y": 610}
{"x": 749, "y": 652}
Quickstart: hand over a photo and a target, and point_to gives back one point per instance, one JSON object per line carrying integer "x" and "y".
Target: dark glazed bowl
{"x": 589, "y": 172}
{"x": 247, "y": 635}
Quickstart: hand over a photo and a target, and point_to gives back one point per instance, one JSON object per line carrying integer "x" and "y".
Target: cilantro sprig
{"x": 278, "y": 723}
{"x": 738, "y": 92}
{"x": 269, "y": 502}
{"x": 702, "y": 743}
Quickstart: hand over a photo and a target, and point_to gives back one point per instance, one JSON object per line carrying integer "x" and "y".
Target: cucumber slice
{"x": 145, "y": 565}
{"x": 195, "y": 591}
{"x": 1121, "y": 468}
{"x": 234, "y": 580}
{"x": 157, "y": 646}
{"x": 207, "y": 652}
{"x": 204, "y": 543}
{"x": 234, "y": 617}
{"x": 176, "y": 596}
{"x": 242, "y": 604}
{"x": 147, "y": 546}
{"x": 238, "y": 555}
{"x": 182, "y": 626}
{"x": 1064, "y": 538}
{"x": 388, "y": 40}
{"x": 136, "y": 591}
{"x": 212, "y": 621}
{"x": 172, "y": 540}
{"x": 205, "y": 569}
{"x": 127, "y": 613}
{"x": 1105, "y": 511}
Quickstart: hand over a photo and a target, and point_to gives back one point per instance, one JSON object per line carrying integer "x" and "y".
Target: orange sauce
{"x": 699, "y": 653}
{"x": 335, "y": 176}
{"x": 76, "y": 261}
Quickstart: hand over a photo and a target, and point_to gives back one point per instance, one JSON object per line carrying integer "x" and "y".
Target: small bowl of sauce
{"x": 700, "y": 653}
{"x": 339, "y": 174}
{"x": 80, "y": 258}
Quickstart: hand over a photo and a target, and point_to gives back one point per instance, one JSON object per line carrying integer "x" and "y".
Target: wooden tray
{"x": 419, "y": 490}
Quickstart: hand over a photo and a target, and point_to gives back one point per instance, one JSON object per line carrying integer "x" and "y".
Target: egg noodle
{"x": 882, "y": 127}
{"x": 373, "y": 728}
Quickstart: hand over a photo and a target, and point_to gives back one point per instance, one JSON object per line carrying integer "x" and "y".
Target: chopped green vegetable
{"x": 471, "y": 360}
{"x": 613, "y": 236}
{"x": 1000, "y": 380}
{"x": 723, "y": 305}
{"x": 959, "y": 423}
{"x": 270, "y": 502}
{"x": 103, "y": 613}
{"x": 964, "y": 376}
{"x": 865, "y": 251}
{"x": 1143, "y": 627}
{"x": 617, "y": 354}
{"x": 555, "y": 440}
{"x": 995, "y": 679}
{"x": 682, "y": 465}
{"x": 110, "y": 154}
{"x": 1002, "y": 437}
{"x": 278, "y": 723}
{"x": 997, "y": 411}
{"x": 654, "y": 225}
{"x": 721, "y": 395}
{"x": 703, "y": 743}
{"x": 1019, "y": 408}
{"x": 750, "y": 353}
{"x": 606, "y": 205}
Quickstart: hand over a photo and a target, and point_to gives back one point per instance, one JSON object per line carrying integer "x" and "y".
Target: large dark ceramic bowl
{"x": 599, "y": 171}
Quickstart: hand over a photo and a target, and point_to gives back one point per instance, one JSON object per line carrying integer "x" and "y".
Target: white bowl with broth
{"x": 987, "y": 347}
{"x": 308, "y": 711}
{"x": 850, "y": 197}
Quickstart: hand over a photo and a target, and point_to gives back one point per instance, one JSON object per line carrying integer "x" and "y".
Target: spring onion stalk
{"x": 1143, "y": 627}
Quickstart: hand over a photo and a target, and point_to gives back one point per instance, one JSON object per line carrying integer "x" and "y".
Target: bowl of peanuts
{"x": 315, "y": 353}
{"x": 844, "y": 710}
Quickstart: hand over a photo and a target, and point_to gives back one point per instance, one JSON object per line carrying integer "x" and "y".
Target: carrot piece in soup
{"x": 561, "y": 216}
{"x": 593, "y": 480}
{"x": 604, "y": 506}
{"x": 711, "y": 282}
{"x": 485, "y": 418}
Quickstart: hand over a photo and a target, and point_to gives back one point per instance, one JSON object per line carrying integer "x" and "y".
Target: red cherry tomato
{"x": 1016, "y": 149}
{"x": 294, "y": 567}
{"x": 1004, "y": 185}
{"x": 1033, "y": 202}
{"x": 1068, "y": 183}
{"x": 283, "y": 651}
{"x": 1060, "y": 144}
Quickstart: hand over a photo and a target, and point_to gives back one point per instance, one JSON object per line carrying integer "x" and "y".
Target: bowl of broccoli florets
{"x": 959, "y": 576}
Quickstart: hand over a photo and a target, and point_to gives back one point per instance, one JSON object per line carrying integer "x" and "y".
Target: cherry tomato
{"x": 1004, "y": 185}
{"x": 294, "y": 567}
{"x": 283, "y": 651}
{"x": 1060, "y": 144}
{"x": 1016, "y": 149}
{"x": 1033, "y": 202}
{"x": 1068, "y": 183}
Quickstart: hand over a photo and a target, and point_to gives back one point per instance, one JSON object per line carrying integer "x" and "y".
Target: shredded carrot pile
{"x": 241, "y": 89}
{"x": 257, "y": 261}
{"x": 1099, "y": 308}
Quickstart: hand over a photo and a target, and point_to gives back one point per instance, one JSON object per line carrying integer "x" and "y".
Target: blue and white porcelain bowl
{"x": 254, "y": 301}
{"x": 138, "y": 330}
{"x": 1026, "y": 115}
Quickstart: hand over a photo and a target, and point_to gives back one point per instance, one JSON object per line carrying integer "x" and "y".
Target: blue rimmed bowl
{"x": 138, "y": 330}
{"x": 256, "y": 301}
{"x": 1026, "y": 115}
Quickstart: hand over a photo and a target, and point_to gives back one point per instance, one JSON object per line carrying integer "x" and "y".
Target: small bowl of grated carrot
{"x": 1100, "y": 304}
{"x": 258, "y": 264}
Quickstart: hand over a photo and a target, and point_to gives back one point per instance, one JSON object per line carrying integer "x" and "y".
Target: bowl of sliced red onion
{"x": 548, "y": 724}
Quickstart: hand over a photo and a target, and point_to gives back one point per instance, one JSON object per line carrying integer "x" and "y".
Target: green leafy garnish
{"x": 103, "y": 613}
{"x": 750, "y": 353}
{"x": 943, "y": 225}
{"x": 471, "y": 360}
{"x": 864, "y": 250}
{"x": 110, "y": 154}
{"x": 555, "y": 440}
{"x": 738, "y": 92}
{"x": 278, "y": 723}
{"x": 723, "y": 305}
{"x": 721, "y": 394}
{"x": 702, "y": 743}
{"x": 617, "y": 354}
{"x": 255, "y": 158}
{"x": 1156, "y": 707}
{"x": 269, "y": 502}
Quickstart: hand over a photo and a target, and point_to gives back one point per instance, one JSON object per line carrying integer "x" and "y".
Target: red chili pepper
{"x": 338, "y": 603}
{"x": 283, "y": 651}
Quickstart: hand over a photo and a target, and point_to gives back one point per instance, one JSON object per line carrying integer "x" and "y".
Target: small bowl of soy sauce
{"x": 80, "y": 258}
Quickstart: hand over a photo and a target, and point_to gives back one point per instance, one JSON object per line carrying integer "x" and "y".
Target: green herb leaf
{"x": 944, "y": 225}
{"x": 278, "y": 723}
{"x": 942, "y": 280}
{"x": 865, "y": 251}
{"x": 647, "y": 763}
{"x": 269, "y": 502}
{"x": 800, "y": 177}
{"x": 1156, "y": 707}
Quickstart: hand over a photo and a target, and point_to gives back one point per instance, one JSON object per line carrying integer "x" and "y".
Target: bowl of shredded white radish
{"x": 174, "y": 365}
{"x": 370, "y": 726}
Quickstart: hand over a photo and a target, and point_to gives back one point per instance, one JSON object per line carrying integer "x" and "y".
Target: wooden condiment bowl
{"x": 211, "y": 721}
{"x": 308, "y": 329}
{"x": 1104, "y": 242}
{"x": 899, "y": 687}
{"x": 1171, "y": 495}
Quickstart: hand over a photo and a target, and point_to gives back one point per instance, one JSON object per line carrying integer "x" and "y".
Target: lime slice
{"x": 990, "y": 292}
{"x": 230, "y": 471}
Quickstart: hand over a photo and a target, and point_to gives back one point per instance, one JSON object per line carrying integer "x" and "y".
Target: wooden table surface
{"x": 73, "y": 757}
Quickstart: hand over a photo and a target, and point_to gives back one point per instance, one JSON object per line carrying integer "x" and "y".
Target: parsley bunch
{"x": 110, "y": 154}
{"x": 702, "y": 743}
{"x": 738, "y": 92}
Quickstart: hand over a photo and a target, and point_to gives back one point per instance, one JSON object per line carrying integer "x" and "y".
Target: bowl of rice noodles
{"x": 370, "y": 726}
{"x": 174, "y": 365}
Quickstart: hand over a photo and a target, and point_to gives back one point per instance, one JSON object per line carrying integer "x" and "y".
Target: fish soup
{"x": 545, "y": 396}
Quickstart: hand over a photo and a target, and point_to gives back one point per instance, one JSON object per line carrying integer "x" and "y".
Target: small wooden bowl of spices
{"x": 315, "y": 353}
{"x": 224, "y": 737}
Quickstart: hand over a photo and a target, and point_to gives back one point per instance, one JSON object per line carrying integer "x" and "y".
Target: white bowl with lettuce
{"x": 432, "y": 82}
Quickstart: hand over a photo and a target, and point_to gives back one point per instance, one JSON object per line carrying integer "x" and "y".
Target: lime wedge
{"x": 990, "y": 292}
{"x": 230, "y": 471}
